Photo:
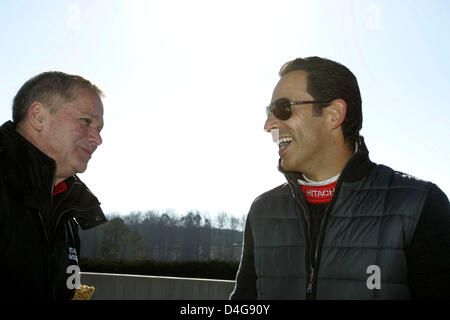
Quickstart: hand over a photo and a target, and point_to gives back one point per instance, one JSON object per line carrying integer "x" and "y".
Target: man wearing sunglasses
{"x": 342, "y": 227}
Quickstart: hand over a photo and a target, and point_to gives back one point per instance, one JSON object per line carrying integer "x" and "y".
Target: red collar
{"x": 59, "y": 188}
{"x": 319, "y": 194}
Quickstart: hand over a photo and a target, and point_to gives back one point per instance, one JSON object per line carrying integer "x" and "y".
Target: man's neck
{"x": 26, "y": 133}
{"x": 330, "y": 164}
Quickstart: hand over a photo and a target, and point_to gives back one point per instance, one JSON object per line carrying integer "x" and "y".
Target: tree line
{"x": 165, "y": 236}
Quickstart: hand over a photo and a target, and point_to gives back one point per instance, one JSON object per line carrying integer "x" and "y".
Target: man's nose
{"x": 271, "y": 123}
{"x": 94, "y": 136}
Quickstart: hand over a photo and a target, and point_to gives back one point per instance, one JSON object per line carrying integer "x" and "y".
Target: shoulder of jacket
{"x": 282, "y": 190}
{"x": 401, "y": 179}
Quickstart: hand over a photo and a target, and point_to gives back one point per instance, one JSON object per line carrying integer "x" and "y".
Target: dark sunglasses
{"x": 282, "y": 108}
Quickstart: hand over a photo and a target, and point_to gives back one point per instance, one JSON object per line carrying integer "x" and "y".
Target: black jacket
{"x": 38, "y": 231}
{"x": 377, "y": 216}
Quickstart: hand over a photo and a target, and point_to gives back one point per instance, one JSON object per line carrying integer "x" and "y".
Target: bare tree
{"x": 222, "y": 220}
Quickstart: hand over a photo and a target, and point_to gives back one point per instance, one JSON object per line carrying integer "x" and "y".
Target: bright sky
{"x": 186, "y": 84}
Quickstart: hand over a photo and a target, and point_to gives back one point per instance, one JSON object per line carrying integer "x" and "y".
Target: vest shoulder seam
{"x": 330, "y": 247}
{"x": 281, "y": 277}
{"x": 363, "y": 247}
{"x": 362, "y": 279}
{"x": 278, "y": 246}
{"x": 420, "y": 188}
{"x": 375, "y": 216}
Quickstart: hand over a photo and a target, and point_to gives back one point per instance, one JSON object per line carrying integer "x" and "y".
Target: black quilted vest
{"x": 369, "y": 222}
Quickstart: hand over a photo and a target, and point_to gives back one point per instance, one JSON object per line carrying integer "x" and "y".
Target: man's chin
{"x": 80, "y": 168}
{"x": 287, "y": 165}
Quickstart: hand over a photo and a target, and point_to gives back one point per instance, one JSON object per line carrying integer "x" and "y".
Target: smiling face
{"x": 302, "y": 137}
{"x": 72, "y": 133}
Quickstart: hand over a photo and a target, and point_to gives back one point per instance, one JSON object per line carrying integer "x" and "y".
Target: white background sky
{"x": 186, "y": 84}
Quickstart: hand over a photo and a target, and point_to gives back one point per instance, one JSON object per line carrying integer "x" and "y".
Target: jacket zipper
{"x": 308, "y": 253}
{"x": 310, "y": 292}
{"x": 62, "y": 213}
{"x": 321, "y": 234}
{"x": 313, "y": 266}
{"x": 47, "y": 235}
{"x": 308, "y": 258}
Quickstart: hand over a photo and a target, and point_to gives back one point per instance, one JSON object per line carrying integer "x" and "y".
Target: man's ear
{"x": 36, "y": 115}
{"x": 337, "y": 110}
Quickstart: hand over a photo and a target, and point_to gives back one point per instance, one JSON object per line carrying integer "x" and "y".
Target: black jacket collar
{"x": 26, "y": 169}
{"x": 30, "y": 174}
